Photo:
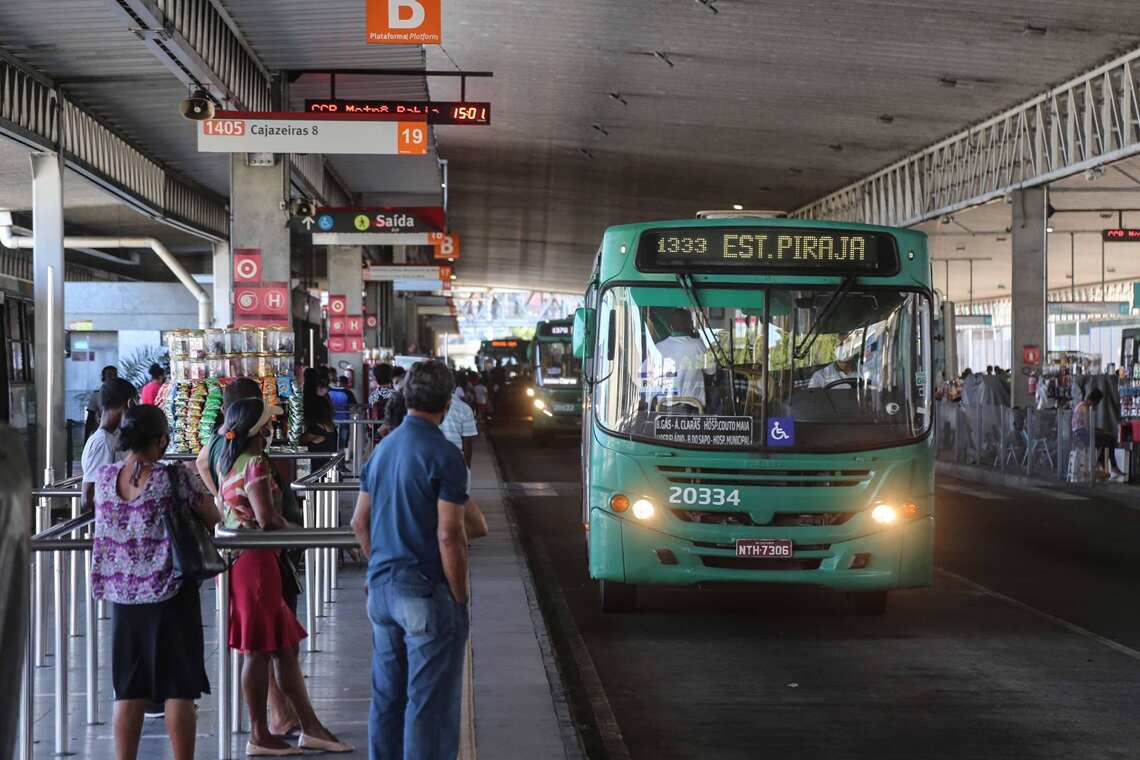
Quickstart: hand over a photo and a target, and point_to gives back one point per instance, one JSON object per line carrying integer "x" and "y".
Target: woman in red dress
{"x": 261, "y": 624}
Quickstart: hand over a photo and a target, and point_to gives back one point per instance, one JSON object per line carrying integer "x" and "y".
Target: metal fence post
{"x": 1003, "y": 419}
{"x": 335, "y": 523}
{"x": 39, "y": 590}
{"x": 236, "y": 664}
{"x": 73, "y": 559}
{"x": 62, "y": 740}
{"x": 310, "y": 580}
{"x": 1091, "y": 445}
{"x": 1062, "y": 455}
{"x": 28, "y": 687}
{"x": 225, "y": 738}
{"x": 91, "y": 631}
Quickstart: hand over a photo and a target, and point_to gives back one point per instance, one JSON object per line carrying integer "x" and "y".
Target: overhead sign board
{"x": 244, "y": 132}
{"x": 403, "y": 22}
{"x": 453, "y": 112}
{"x": 1121, "y": 235}
{"x": 375, "y": 221}
{"x": 370, "y": 238}
{"x": 418, "y": 286}
{"x": 402, "y": 273}
{"x": 1089, "y": 307}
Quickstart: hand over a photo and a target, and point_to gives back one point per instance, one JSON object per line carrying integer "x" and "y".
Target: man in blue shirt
{"x": 409, "y": 520}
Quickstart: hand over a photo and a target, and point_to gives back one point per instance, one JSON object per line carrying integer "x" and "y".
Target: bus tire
{"x": 617, "y": 597}
{"x": 869, "y": 602}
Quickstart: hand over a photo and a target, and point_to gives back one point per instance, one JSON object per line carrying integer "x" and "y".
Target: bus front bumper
{"x": 896, "y": 557}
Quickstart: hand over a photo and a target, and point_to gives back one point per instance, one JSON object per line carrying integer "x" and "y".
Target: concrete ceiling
{"x": 609, "y": 112}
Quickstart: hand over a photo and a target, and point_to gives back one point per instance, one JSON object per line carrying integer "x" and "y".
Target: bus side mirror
{"x": 583, "y": 338}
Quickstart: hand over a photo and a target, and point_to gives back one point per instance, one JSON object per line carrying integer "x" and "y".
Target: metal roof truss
{"x": 1089, "y": 121}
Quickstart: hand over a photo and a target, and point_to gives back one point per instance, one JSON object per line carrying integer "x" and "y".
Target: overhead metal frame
{"x": 200, "y": 44}
{"x": 1088, "y": 121}
{"x": 35, "y": 113}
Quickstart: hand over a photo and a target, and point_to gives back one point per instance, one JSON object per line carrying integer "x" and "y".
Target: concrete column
{"x": 223, "y": 285}
{"x": 346, "y": 279}
{"x": 49, "y": 270}
{"x": 1029, "y": 288}
{"x": 258, "y": 195}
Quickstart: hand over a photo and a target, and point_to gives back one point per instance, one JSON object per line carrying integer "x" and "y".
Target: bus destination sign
{"x": 1121, "y": 235}
{"x": 556, "y": 331}
{"x": 767, "y": 249}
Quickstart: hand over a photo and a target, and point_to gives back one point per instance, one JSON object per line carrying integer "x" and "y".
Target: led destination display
{"x": 765, "y": 249}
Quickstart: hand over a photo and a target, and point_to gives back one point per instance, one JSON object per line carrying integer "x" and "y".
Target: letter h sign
{"x": 403, "y": 22}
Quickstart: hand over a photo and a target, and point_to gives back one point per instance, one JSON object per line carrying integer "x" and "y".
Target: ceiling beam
{"x": 35, "y": 112}
{"x": 1089, "y": 121}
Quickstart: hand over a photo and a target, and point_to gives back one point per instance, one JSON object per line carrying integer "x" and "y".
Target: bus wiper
{"x": 685, "y": 280}
{"x": 832, "y": 303}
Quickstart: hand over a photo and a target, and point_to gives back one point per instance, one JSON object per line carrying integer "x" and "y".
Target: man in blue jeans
{"x": 409, "y": 519}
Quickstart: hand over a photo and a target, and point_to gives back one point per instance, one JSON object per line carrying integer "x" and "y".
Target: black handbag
{"x": 290, "y": 574}
{"x": 192, "y": 549}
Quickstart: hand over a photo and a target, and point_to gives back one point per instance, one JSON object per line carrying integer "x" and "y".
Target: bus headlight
{"x": 884, "y": 514}
{"x": 539, "y": 404}
{"x": 643, "y": 509}
{"x": 530, "y": 392}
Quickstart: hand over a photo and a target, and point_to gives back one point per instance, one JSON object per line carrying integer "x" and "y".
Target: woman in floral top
{"x": 261, "y": 624}
{"x": 157, "y": 650}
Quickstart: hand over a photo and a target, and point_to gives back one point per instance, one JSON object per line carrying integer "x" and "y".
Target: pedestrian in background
{"x": 149, "y": 392}
{"x": 102, "y": 448}
{"x": 319, "y": 429}
{"x": 410, "y": 520}
{"x": 94, "y": 410}
{"x": 157, "y": 645}
{"x": 261, "y": 624}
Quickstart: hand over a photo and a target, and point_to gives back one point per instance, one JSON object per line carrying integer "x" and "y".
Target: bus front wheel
{"x": 617, "y": 597}
{"x": 869, "y": 602}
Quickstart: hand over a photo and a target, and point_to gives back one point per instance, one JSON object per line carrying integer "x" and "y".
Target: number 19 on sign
{"x": 411, "y": 138}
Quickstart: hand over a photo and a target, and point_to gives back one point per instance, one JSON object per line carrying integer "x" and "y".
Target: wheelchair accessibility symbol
{"x": 781, "y": 431}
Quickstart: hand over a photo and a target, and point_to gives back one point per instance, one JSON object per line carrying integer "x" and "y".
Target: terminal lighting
{"x": 737, "y": 207}
{"x": 539, "y": 404}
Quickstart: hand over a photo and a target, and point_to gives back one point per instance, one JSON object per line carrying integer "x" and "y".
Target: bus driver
{"x": 679, "y": 364}
{"x": 842, "y": 368}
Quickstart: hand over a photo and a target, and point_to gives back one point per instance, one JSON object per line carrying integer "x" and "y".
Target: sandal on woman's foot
{"x": 291, "y": 730}
{"x": 256, "y": 750}
{"x": 312, "y": 742}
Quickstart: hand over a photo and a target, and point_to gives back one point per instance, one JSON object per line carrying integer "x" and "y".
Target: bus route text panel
{"x": 767, "y": 249}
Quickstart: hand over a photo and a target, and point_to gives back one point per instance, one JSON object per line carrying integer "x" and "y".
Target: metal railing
{"x": 321, "y": 537}
{"x": 1032, "y": 442}
{"x": 360, "y": 440}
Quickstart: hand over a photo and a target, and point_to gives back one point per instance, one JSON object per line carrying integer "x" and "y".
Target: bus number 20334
{"x": 705, "y": 497}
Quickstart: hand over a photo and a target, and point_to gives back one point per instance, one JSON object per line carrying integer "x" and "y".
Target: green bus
{"x": 556, "y": 393}
{"x": 758, "y": 407}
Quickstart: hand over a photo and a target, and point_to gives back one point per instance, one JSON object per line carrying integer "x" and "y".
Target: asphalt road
{"x": 1027, "y": 645}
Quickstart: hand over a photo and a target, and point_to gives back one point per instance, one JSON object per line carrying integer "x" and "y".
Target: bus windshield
{"x": 819, "y": 368}
{"x": 557, "y": 365}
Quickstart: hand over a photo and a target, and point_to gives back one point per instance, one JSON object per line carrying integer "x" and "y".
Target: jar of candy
{"x": 196, "y": 344}
{"x": 216, "y": 341}
{"x": 179, "y": 370}
{"x": 285, "y": 342}
{"x": 231, "y": 365}
{"x": 266, "y": 365}
{"x": 249, "y": 365}
{"x": 260, "y": 340}
{"x": 176, "y": 341}
{"x": 216, "y": 365}
{"x": 198, "y": 368}
{"x": 283, "y": 364}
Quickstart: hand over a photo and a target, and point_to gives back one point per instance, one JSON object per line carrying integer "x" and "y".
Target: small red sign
{"x": 353, "y": 344}
{"x": 371, "y": 321}
{"x": 445, "y": 246}
{"x": 354, "y": 325}
{"x": 337, "y": 325}
{"x": 1031, "y": 355}
{"x": 338, "y": 306}
{"x": 264, "y": 300}
{"x": 247, "y": 265}
{"x": 336, "y": 345}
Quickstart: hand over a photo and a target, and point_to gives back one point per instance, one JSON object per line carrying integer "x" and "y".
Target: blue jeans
{"x": 419, "y": 636}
